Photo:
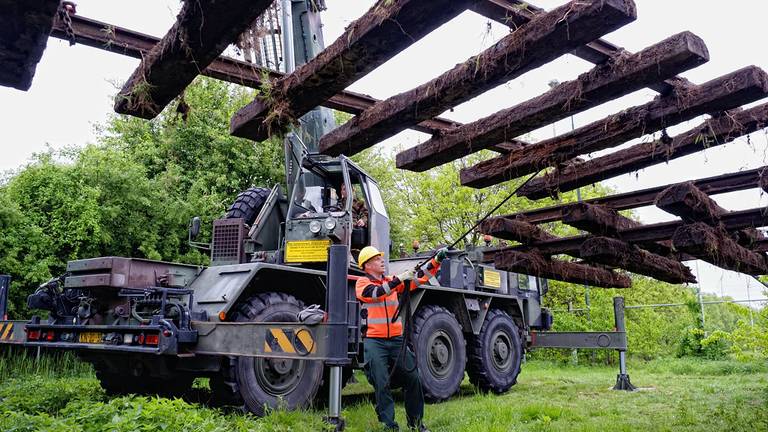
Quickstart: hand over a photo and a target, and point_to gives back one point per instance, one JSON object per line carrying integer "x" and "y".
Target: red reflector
{"x": 152, "y": 339}
{"x": 167, "y": 333}
{"x": 140, "y": 339}
{"x": 50, "y": 335}
{"x": 33, "y": 335}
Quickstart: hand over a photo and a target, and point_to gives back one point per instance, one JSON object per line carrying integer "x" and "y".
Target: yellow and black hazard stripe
{"x": 6, "y": 331}
{"x": 280, "y": 340}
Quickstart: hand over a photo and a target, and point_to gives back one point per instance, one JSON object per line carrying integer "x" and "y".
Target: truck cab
{"x": 321, "y": 211}
{"x": 297, "y": 229}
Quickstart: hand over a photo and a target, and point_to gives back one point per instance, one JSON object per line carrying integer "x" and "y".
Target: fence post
{"x": 622, "y": 379}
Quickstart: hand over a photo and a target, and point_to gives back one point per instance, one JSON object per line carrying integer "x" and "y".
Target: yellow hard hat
{"x": 366, "y": 254}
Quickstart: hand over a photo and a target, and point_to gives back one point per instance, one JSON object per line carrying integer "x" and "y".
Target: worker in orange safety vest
{"x": 383, "y": 335}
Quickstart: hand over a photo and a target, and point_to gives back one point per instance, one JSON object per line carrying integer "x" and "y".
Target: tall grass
{"x": 687, "y": 395}
{"x": 19, "y": 362}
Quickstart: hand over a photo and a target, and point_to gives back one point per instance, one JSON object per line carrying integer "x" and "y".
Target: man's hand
{"x": 406, "y": 275}
{"x": 360, "y": 223}
{"x": 441, "y": 254}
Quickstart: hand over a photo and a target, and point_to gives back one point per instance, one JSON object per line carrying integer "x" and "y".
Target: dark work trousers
{"x": 380, "y": 355}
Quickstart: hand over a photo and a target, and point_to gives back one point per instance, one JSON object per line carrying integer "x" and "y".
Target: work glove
{"x": 441, "y": 254}
{"x": 406, "y": 275}
{"x": 311, "y": 315}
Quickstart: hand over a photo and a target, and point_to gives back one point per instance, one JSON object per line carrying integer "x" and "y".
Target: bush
{"x": 716, "y": 345}
{"x": 690, "y": 343}
{"x": 695, "y": 343}
{"x": 749, "y": 342}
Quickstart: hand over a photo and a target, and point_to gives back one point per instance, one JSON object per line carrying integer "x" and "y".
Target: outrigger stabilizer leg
{"x": 337, "y": 296}
{"x": 622, "y": 379}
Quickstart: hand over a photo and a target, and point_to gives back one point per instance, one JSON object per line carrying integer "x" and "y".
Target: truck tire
{"x": 248, "y": 204}
{"x": 440, "y": 352}
{"x": 274, "y": 383}
{"x": 495, "y": 354}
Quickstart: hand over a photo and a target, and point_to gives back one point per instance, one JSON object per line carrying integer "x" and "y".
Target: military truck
{"x": 152, "y": 327}
{"x": 140, "y": 322}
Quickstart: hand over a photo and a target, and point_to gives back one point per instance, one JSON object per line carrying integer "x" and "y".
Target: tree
{"x": 193, "y": 155}
{"x": 133, "y": 193}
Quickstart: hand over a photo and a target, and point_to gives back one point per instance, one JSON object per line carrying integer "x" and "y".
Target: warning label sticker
{"x": 307, "y": 251}
{"x": 491, "y": 278}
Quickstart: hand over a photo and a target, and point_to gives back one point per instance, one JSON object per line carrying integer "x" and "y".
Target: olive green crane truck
{"x": 152, "y": 327}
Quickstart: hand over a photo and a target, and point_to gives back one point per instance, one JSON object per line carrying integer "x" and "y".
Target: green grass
{"x": 16, "y": 362}
{"x": 676, "y": 395}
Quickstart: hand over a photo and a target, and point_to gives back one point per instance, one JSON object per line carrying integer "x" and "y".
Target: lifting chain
{"x": 66, "y": 9}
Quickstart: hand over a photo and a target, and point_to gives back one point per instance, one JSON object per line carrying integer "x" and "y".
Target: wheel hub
{"x": 441, "y": 354}
{"x": 502, "y": 350}
{"x": 280, "y": 366}
{"x": 278, "y": 376}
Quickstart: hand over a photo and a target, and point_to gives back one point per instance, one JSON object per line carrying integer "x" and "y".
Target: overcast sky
{"x": 73, "y": 88}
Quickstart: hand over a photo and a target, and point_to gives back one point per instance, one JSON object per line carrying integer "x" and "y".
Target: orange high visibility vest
{"x": 379, "y": 301}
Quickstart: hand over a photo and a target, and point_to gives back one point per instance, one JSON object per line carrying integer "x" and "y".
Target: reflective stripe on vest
{"x": 382, "y": 320}
{"x": 379, "y": 318}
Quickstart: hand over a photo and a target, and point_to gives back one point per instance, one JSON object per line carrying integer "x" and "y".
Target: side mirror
{"x": 194, "y": 227}
{"x": 543, "y": 286}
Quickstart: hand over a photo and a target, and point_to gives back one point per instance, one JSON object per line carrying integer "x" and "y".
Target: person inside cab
{"x": 383, "y": 335}
{"x": 359, "y": 210}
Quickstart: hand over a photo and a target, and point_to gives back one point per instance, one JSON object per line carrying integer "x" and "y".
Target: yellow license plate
{"x": 491, "y": 278}
{"x": 307, "y": 251}
{"x": 90, "y": 337}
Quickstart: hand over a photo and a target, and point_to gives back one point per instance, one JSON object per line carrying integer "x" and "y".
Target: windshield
{"x": 314, "y": 194}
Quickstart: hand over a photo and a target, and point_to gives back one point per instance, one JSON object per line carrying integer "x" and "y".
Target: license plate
{"x": 91, "y": 337}
{"x": 307, "y": 251}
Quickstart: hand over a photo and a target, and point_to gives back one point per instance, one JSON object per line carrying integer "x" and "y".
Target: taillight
{"x": 152, "y": 339}
{"x": 49, "y": 336}
{"x": 33, "y": 335}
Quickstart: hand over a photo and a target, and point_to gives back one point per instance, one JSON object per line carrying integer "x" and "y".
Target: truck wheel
{"x": 440, "y": 352}
{"x": 273, "y": 383}
{"x": 495, "y": 354}
{"x": 248, "y": 204}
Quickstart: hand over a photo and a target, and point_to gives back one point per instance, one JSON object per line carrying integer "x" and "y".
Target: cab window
{"x": 376, "y": 201}
{"x": 314, "y": 194}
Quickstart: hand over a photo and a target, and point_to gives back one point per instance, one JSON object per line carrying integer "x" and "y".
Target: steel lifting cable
{"x": 405, "y": 301}
{"x": 484, "y": 218}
